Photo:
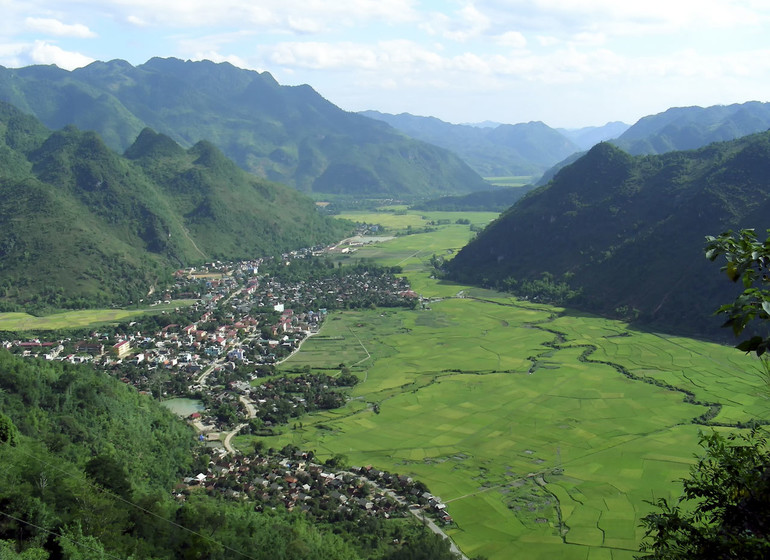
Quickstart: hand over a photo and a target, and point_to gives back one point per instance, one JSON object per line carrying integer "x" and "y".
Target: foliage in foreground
{"x": 723, "y": 511}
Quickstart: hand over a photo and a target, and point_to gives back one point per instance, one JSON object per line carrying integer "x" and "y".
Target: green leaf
{"x": 751, "y": 344}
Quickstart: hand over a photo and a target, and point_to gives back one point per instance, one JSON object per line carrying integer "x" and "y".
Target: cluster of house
{"x": 295, "y": 483}
{"x": 405, "y": 486}
{"x": 230, "y": 335}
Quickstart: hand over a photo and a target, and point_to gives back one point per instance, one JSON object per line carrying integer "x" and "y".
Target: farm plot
{"x": 533, "y": 423}
{"x": 458, "y": 409}
{"x": 79, "y": 319}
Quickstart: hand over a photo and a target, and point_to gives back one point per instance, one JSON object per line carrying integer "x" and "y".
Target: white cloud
{"x": 624, "y": 18}
{"x": 214, "y": 56}
{"x": 317, "y": 56}
{"x": 41, "y": 52}
{"x": 302, "y": 16}
{"x": 511, "y": 39}
{"x": 547, "y": 41}
{"x": 52, "y": 26}
{"x": 586, "y": 38}
{"x": 461, "y": 26}
{"x": 137, "y": 21}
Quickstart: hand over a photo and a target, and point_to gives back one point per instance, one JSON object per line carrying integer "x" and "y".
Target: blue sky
{"x": 568, "y": 63}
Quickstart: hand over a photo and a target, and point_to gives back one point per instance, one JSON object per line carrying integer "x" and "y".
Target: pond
{"x": 183, "y": 407}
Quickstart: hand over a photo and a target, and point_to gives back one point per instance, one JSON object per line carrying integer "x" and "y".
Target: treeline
{"x": 88, "y": 465}
{"x": 318, "y": 268}
{"x": 495, "y": 200}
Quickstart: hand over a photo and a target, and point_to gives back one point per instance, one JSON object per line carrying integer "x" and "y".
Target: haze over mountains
{"x": 504, "y": 150}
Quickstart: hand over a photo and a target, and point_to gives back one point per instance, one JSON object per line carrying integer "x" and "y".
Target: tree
{"x": 8, "y": 432}
{"x": 730, "y": 518}
{"x": 748, "y": 260}
{"x": 724, "y": 511}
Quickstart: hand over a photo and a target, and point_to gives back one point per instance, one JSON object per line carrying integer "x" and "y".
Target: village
{"x": 221, "y": 353}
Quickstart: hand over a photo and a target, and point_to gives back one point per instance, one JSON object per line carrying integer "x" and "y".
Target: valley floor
{"x": 546, "y": 432}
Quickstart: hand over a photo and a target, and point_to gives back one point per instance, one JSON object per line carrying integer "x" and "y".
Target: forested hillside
{"x": 88, "y": 468}
{"x": 624, "y": 236}
{"x": 688, "y": 128}
{"x": 286, "y": 134}
{"x": 82, "y": 225}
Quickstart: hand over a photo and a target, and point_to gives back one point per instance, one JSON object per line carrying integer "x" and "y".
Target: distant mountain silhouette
{"x": 500, "y": 151}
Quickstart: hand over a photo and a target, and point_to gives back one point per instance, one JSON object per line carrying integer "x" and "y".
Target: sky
{"x": 568, "y": 63}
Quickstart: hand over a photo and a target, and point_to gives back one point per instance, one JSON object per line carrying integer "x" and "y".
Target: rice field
{"x": 520, "y": 416}
{"x": 81, "y": 318}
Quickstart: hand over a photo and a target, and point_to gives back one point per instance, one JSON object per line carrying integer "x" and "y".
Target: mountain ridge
{"x": 628, "y": 232}
{"x": 283, "y": 133}
{"x": 83, "y": 225}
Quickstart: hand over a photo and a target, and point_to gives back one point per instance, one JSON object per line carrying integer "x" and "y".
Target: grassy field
{"x": 518, "y": 415}
{"x": 399, "y": 221}
{"x": 80, "y": 319}
{"x": 513, "y": 181}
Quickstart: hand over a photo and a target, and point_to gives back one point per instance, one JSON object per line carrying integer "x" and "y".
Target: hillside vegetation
{"x": 688, "y": 128}
{"x": 82, "y": 225}
{"x": 624, "y": 235}
{"x": 88, "y": 470}
{"x": 286, "y": 134}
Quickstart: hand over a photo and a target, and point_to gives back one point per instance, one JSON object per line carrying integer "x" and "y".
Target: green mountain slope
{"x": 505, "y": 150}
{"x": 688, "y": 128}
{"x": 628, "y": 232}
{"x": 286, "y": 134}
{"x": 82, "y": 225}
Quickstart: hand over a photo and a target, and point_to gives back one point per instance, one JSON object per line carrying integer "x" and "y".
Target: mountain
{"x": 286, "y": 134}
{"x": 627, "y": 233}
{"x": 83, "y": 225}
{"x": 688, "y": 128}
{"x": 589, "y": 136}
{"x": 500, "y": 151}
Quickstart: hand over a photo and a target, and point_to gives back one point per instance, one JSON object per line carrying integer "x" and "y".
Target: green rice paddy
{"x": 546, "y": 432}
{"x": 513, "y": 181}
{"x": 79, "y": 319}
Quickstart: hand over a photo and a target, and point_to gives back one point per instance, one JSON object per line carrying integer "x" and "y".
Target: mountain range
{"x": 286, "y": 134}
{"x": 492, "y": 151}
{"x": 83, "y": 225}
{"x": 624, "y": 235}
{"x": 688, "y": 128}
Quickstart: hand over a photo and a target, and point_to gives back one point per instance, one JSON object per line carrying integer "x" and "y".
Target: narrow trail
{"x": 297, "y": 349}
{"x": 368, "y": 355}
{"x": 430, "y": 524}
{"x": 190, "y": 239}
